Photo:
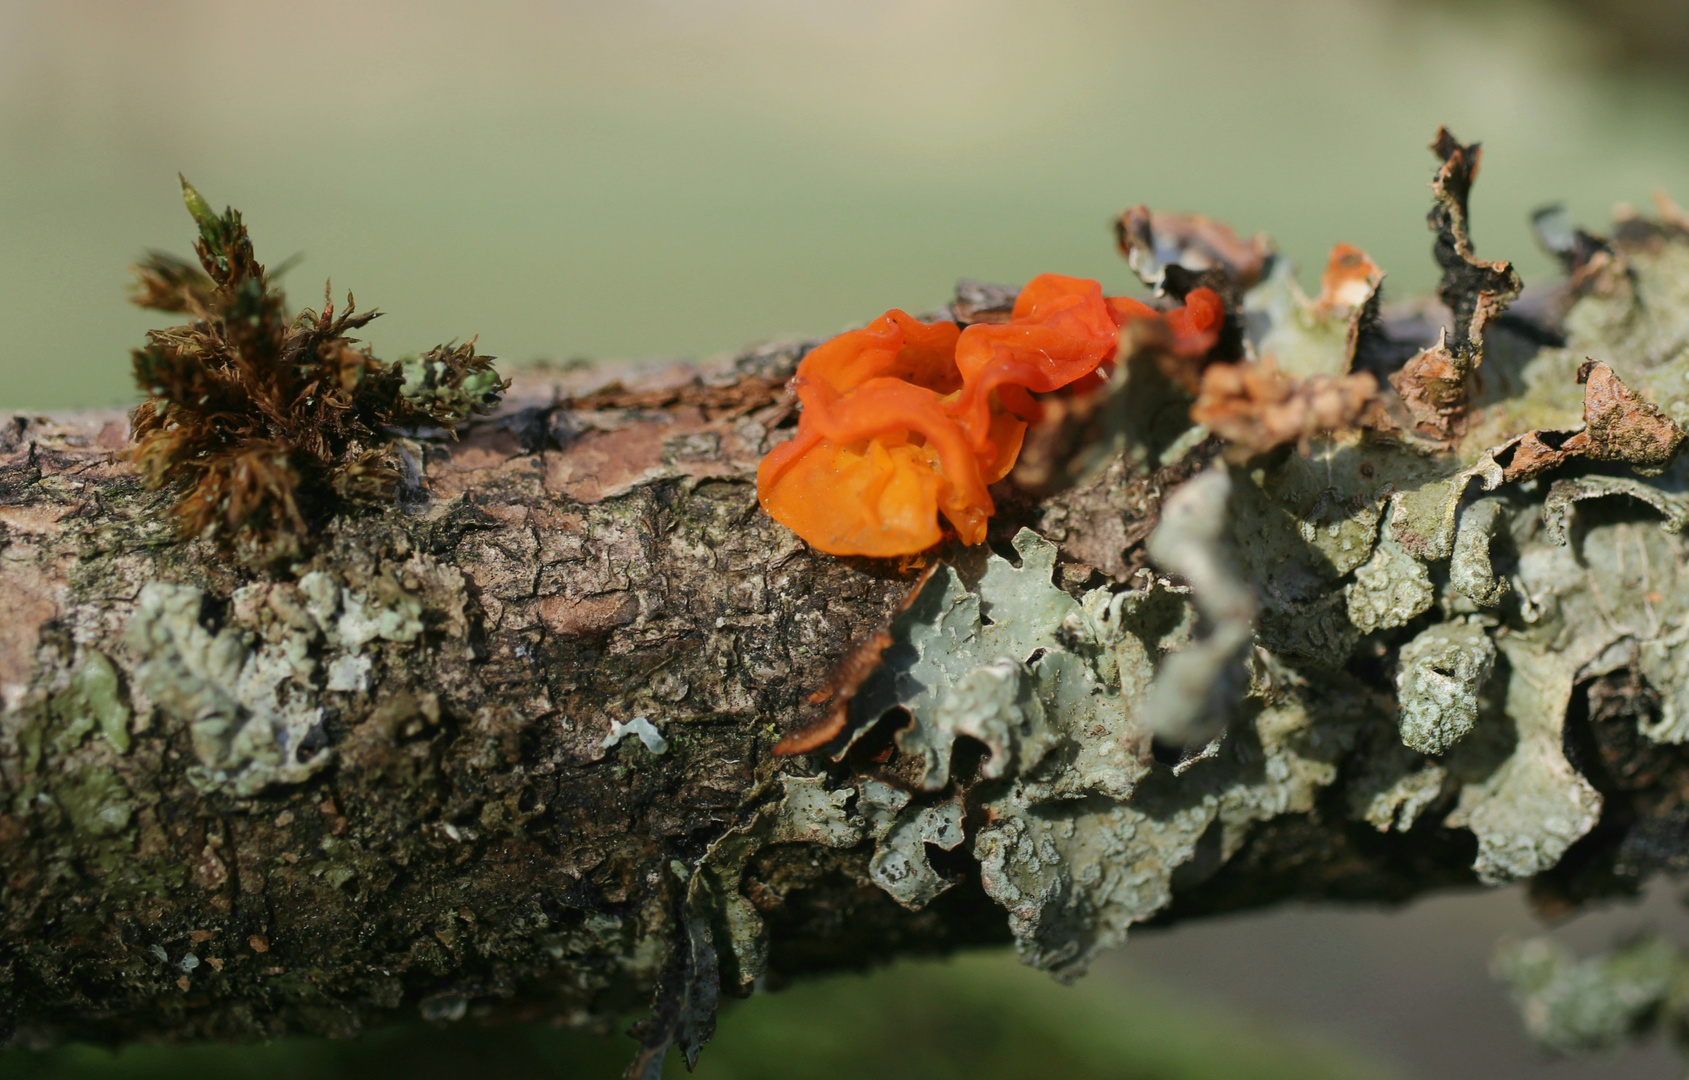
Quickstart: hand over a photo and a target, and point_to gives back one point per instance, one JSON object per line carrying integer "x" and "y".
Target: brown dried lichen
{"x": 268, "y": 424}
{"x": 1255, "y": 407}
{"x": 1152, "y": 241}
{"x": 1619, "y": 425}
{"x": 1433, "y": 384}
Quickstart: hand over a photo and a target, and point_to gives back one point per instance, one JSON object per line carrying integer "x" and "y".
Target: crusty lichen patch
{"x": 1440, "y": 674}
{"x": 249, "y": 712}
{"x": 250, "y": 698}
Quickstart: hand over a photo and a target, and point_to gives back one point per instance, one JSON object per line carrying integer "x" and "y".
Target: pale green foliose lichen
{"x": 1570, "y": 1005}
{"x": 450, "y": 383}
{"x": 1470, "y": 570}
{"x": 1484, "y": 596}
{"x": 946, "y": 678}
{"x": 1305, "y": 337}
{"x": 351, "y": 619}
{"x": 806, "y": 812}
{"x": 250, "y": 693}
{"x": 1441, "y": 672}
{"x": 1082, "y": 840}
{"x": 1192, "y": 696}
{"x": 1393, "y": 786}
{"x": 248, "y": 711}
{"x": 1390, "y": 589}
{"x": 900, "y": 865}
{"x": 94, "y": 701}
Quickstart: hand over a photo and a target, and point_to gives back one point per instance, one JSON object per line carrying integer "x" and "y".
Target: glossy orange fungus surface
{"x": 904, "y": 421}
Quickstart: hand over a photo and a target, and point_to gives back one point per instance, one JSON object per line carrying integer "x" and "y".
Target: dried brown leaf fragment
{"x": 1619, "y": 426}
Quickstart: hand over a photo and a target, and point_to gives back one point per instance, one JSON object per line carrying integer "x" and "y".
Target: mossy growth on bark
{"x": 268, "y": 424}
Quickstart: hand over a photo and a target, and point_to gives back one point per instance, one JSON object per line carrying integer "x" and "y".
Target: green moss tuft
{"x": 450, "y": 383}
{"x": 267, "y": 425}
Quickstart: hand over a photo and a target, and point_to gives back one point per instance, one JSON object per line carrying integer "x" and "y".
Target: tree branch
{"x": 506, "y": 747}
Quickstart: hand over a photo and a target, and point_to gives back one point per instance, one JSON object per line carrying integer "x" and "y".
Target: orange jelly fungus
{"x": 903, "y": 420}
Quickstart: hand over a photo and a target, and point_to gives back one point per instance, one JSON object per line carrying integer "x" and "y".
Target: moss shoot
{"x": 268, "y": 424}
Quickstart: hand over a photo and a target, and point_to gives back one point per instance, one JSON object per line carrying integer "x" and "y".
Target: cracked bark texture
{"x": 434, "y": 821}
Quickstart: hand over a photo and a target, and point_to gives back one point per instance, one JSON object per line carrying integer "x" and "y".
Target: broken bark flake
{"x": 846, "y": 680}
{"x": 1432, "y": 385}
{"x": 684, "y": 1009}
{"x": 1474, "y": 290}
{"x": 978, "y": 302}
{"x": 1621, "y": 426}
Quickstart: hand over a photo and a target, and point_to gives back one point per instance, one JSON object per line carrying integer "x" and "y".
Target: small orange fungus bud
{"x": 904, "y": 421}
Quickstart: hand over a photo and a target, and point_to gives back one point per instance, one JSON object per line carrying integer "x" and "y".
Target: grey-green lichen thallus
{"x": 1502, "y": 535}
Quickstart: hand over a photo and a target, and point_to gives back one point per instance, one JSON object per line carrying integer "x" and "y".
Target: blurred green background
{"x": 973, "y": 1018}
{"x": 676, "y": 177}
{"x": 622, "y": 178}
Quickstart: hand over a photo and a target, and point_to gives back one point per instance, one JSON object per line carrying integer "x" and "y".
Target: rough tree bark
{"x": 470, "y": 840}
{"x": 409, "y": 772}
